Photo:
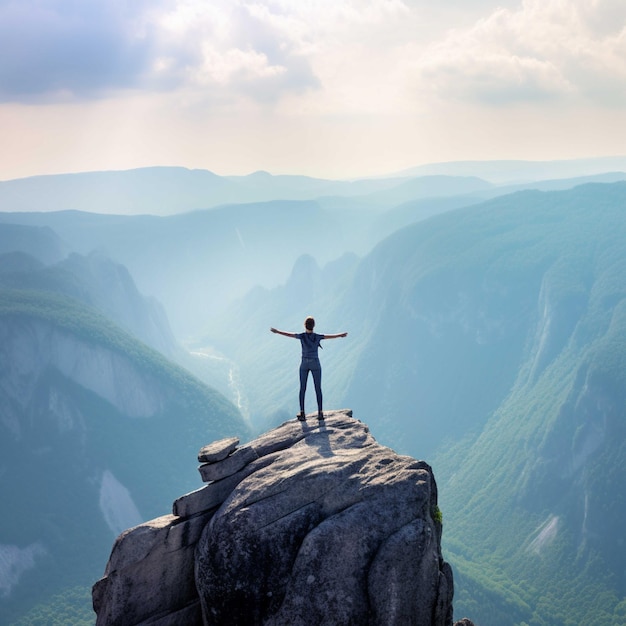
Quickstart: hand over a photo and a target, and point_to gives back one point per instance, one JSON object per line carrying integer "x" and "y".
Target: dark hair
{"x": 309, "y": 323}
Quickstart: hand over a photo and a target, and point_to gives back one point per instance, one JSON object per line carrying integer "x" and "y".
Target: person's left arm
{"x": 283, "y": 332}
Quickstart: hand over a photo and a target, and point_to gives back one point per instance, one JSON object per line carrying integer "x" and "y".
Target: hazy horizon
{"x": 498, "y": 171}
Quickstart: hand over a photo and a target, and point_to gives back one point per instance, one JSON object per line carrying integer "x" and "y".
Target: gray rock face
{"x": 320, "y": 525}
{"x": 218, "y": 450}
{"x": 30, "y": 348}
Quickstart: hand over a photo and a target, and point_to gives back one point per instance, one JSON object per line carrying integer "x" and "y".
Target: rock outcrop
{"x": 311, "y": 523}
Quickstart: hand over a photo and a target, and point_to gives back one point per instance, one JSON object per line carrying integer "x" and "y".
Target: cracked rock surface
{"x": 315, "y": 523}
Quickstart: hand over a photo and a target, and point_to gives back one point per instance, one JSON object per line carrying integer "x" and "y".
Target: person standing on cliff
{"x": 310, "y": 342}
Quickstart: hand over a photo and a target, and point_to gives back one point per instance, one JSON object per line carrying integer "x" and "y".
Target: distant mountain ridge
{"x": 194, "y": 263}
{"x": 98, "y": 282}
{"x": 512, "y": 171}
{"x": 42, "y": 243}
{"x": 166, "y": 190}
{"x": 174, "y": 190}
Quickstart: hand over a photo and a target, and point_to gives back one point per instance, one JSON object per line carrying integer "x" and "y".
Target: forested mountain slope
{"x": 96, "y": 428}
{"x": 490, "y": 339}
{"x": 98, "y": 282}
{"x": 496, "y": 342}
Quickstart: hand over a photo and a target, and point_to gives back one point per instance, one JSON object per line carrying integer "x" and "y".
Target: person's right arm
{"x": 282, "y": 332}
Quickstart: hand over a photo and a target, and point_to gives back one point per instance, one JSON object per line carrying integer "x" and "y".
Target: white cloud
{"x": 604, "y": 17}
{"x": 51, "y": 49}
{"x": 223, "y": 67}
{"x": 545, "y": 50}
{"x": 288, "y": 44}
{"x": 349, "y": 55}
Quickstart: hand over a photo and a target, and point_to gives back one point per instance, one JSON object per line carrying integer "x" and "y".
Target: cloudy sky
{"x": 330, "y": 88}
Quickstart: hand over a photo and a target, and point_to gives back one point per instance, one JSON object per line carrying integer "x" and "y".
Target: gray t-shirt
{"x": 310, "y": 343}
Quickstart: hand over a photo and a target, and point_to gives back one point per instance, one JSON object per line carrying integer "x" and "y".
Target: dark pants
{"x": 311, "y": 365}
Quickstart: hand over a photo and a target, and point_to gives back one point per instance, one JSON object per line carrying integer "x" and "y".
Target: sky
{"x": 325, "y": 88}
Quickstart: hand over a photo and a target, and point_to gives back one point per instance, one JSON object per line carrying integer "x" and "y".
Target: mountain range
{"x": 222, "y": 252}
{"x": 486, "y": 327}
{"x": 171, "y": 190}
{"x": 89, "y": 411}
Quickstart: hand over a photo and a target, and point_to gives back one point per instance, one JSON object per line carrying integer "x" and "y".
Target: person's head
{"x": 309, "y": 323}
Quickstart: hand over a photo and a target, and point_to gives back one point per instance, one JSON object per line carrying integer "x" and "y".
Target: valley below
{"x": 487, "y": 336}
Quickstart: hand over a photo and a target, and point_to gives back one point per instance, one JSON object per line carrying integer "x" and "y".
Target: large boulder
{"x": 313, "y": 523}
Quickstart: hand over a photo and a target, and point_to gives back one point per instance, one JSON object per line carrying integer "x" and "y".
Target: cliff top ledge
{"x": 310, "y": 523}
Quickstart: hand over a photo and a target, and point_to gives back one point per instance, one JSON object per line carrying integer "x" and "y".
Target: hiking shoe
{"x": 320, "y": 416}
{"x": 301, "y": 417}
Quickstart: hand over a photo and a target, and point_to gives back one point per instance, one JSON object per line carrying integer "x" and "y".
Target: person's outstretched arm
{"x": 282, "y": 332}
{"x": 337, "y": 336}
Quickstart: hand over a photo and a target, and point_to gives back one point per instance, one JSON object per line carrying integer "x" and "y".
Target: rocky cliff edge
{"x": 311, "y": 523}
